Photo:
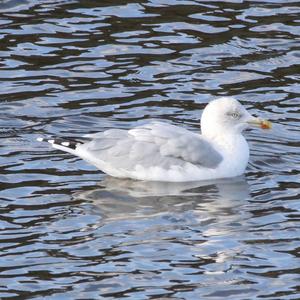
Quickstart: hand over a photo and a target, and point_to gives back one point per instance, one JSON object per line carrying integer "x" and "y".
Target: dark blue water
{"x": 68, "y": 68}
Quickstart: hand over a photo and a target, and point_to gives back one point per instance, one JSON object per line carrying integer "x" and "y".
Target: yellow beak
{"x": 258, "y": 122}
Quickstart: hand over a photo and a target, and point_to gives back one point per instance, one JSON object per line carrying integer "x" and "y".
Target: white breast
{"x": 235, "y": 152}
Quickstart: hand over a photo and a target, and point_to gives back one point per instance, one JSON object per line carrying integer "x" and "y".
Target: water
{"x": 73, "y": 67}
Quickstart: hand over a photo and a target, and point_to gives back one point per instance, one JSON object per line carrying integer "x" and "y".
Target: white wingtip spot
{"x": 67, "y": 144}
{"x": 51, "y": 141}
{"x": 39, "y": 139}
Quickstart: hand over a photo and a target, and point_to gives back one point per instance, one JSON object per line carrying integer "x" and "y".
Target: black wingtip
{"x": 65, "y": 143}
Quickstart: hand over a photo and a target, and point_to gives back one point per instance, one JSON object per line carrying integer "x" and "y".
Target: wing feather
{"x": 153, "y": 144}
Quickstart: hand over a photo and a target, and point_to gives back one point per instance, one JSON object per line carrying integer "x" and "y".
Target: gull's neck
{"x": 227, "y": 140}
{"x": 219, "y": 133}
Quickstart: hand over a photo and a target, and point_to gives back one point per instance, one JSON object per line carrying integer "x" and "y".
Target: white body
{"x": 234, "y": 149}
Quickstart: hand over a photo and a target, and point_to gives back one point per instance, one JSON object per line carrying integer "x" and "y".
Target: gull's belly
{"x": 188, "y": 172}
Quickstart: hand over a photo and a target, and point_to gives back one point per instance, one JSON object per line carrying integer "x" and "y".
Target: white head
{"x": 226, "y": 114}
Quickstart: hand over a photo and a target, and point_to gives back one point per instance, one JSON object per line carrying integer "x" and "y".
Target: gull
{"x": 159, "y": 151}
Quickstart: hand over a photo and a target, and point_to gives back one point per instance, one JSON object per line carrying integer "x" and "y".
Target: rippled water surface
{"x": 73, "y": 67}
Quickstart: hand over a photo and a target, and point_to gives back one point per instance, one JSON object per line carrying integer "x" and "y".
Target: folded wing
{"x": 154, "y": 144}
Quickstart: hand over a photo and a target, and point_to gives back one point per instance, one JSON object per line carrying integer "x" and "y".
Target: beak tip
{"x": 265, "y": 124}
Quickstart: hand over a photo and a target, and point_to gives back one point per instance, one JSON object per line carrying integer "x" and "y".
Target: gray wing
{"x": 154, "y": 144}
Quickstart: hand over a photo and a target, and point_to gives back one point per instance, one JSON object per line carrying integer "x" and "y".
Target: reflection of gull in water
{"x": 210, "y": 216}
{"x": 119, "y": 198}
{"x": 136, "y": 188}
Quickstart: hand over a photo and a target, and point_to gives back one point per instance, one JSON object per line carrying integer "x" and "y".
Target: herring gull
{"x": 159, "y": 151}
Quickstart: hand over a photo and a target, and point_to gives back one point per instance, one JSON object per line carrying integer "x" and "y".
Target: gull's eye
{"x": 235, "y": 115}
